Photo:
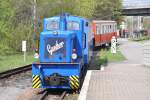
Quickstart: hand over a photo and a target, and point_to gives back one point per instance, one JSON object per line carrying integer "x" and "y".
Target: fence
{"x": 146, "y": 52}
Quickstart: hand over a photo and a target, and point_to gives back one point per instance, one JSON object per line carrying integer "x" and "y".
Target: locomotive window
{"x": 87, "y": 24}
{"x": 71, "y": 25}
{"x": 52, "y": 25}
{"x": 84, "y": 40}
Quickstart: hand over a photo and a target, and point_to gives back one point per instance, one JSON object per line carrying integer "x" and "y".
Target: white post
{"x": 113, "y": 45}
{"x": 24, "y": 49}
{"x": 24, "y": 56}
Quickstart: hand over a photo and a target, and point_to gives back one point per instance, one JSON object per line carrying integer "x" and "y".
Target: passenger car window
{"x": 71, "y": 25}
{"x": 52, "y": 25}
{"x": 97, "y": 29}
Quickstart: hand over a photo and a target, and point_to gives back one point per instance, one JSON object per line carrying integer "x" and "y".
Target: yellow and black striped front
{"x": 74, "y": 82}
{"x": 36, "y": 82}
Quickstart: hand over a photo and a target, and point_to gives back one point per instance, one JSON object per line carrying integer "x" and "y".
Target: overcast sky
{"x": 137, "y": 3}
{"x": 136, "y": 0}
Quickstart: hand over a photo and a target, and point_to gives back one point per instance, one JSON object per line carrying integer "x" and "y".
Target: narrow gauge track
{"x": 15, "y": 71}
{"x": 44, "y": 95}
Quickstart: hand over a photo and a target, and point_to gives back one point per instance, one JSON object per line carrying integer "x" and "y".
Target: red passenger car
{"x": 103, "y": 31}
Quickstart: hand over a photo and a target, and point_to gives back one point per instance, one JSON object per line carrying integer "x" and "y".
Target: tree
{"x": 16, "y": 20}
{"x": 108, "y": 10}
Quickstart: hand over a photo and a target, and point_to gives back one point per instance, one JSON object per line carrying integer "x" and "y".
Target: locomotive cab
{"x": 63, "y": 53}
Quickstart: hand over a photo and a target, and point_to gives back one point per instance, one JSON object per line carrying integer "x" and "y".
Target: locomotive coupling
{"x": 55, "y": 80}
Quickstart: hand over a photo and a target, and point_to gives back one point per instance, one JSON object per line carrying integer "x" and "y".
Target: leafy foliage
{"x": 108, "y": 10}
{"x": 16, "y": 20}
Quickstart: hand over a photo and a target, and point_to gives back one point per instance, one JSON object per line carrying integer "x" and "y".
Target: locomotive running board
{"x": 70, "y": 70}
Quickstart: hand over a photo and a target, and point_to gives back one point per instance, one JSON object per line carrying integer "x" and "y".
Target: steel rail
{"x": 44, "y": 94}
{"x": 62, "y": 95}
{"x": 15, "y": 71}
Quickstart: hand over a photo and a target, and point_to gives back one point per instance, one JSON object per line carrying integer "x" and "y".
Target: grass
{"x": 14, "y": 61}
{"x": 106, "y": 56}
{"x": 17, "y": 60}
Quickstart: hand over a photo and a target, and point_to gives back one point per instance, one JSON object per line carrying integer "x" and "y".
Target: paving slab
{"x": 126, "y": 80}
{"x": 133, "y": 51}
{"x": 120, "y": 82}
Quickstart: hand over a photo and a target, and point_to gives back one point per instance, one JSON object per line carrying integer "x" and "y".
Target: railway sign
{"x": 24, "y": 46}
{"x": 24, "y": 49}
{"x": 113, "y": 44}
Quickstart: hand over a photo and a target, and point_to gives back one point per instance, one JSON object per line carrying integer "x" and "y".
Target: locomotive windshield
{"x": 71, "y": 25}
{"x": 52, "y": 25}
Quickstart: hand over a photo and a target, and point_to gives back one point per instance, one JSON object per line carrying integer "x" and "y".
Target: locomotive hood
{"x": 56, "y": 46}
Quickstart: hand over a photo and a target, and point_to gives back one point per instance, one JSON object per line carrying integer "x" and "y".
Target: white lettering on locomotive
{"x": 54, "y": 48}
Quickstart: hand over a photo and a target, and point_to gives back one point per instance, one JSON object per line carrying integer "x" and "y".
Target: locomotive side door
{"x": 86, "y": 42}
{"x": 75, "y": 24}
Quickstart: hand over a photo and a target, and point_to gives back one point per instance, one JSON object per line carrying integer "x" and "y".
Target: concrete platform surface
{"x": 120, "y": 81}
{"x": 126, "y": 80}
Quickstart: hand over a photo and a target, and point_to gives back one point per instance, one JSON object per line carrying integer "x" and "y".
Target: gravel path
{"x": 14, "y": 86}
{"x": 10, "y": 93}
{"x": 133, "y": 51}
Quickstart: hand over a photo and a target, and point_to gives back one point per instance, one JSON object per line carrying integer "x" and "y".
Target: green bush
{"x": 16, "y": 20}
{"x": 5, "y": 50}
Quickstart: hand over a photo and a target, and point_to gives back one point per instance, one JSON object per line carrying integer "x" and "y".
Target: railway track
{"x": 41, "y": 94}
{"x": 15, "y": 71}
{"x": 46, "y": 95}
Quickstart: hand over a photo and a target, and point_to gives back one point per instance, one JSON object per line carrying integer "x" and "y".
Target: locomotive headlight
{"x": 36, "y": 55}
{"x": 74, "y": 56}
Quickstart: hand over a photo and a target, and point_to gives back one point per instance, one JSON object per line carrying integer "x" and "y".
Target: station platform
{"x": 118, "y": 81}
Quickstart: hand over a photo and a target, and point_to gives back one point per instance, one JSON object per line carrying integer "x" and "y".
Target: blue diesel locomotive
{"x": 65, "y": 51}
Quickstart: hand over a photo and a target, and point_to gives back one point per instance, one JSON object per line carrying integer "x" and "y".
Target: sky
{"x": 136, "y": 0}
{"x": 136, "y": 3}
